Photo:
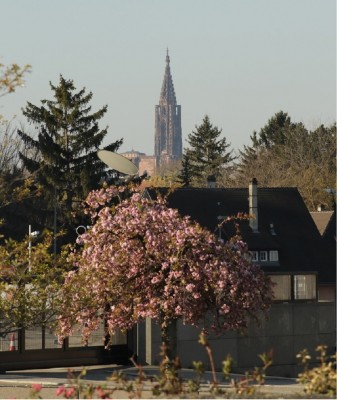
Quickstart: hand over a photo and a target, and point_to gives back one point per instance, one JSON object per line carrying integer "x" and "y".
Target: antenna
{"x": 117, "y": 162}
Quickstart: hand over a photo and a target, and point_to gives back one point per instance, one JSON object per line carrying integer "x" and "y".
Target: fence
{"x": 39, "y": 347}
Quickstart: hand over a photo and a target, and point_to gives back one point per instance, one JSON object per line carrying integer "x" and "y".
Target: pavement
{"x": 18, "y": 384}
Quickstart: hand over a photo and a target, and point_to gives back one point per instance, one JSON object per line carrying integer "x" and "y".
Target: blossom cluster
{"x": 141, "y": 259}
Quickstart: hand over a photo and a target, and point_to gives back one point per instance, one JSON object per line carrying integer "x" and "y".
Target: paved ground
{"x": 17, "y": 384}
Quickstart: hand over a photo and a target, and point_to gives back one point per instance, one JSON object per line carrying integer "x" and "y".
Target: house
{"x": 281, "y": 235}
{"x": 284, "y": 240}
{"x": 326, "y": 224}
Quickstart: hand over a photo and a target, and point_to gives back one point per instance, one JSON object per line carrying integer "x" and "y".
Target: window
{"x": 294, "y": 287}
{"x": 273, "y": 255}
{"x": 304, "y": 287}
{"x": 255, "y": 255}
{"x": 263, "y": 256}
{"x": 282, "y": 288}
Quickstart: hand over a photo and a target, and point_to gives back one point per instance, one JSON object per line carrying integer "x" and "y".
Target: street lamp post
{"x": 31, "y": 235}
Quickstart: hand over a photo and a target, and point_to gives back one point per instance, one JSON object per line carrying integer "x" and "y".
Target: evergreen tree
{"x": 287, "y": 154}
{"x": 274, "y": 132}
{"x": 185, "y": 176}
{"x": 65, "y": 163}
{"x": 208, "y": 153}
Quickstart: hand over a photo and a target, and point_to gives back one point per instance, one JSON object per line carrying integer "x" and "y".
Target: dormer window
{"x": 264, "y": 256}
{"x": 255, "y": 255}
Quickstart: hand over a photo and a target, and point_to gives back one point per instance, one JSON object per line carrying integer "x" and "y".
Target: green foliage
{"x": 16, "y": 187}
{"x": 207, "y": 154}
{"x": 287, "y": 154}
{"x": 169, "y": 382}
{"x": 65, "y": 162}
{"x": 274, "y": 132}
{"x": 185, "y": 175}
{"x": 320, "y": 380}
{"x": 30, "y": 283}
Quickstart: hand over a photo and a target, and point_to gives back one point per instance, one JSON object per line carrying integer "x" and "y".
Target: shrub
{"x": 320, "y": 379}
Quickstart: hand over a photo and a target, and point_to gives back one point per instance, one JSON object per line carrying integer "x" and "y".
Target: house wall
{"x": 327, "y": 293}
{"x": 290, "y": 328}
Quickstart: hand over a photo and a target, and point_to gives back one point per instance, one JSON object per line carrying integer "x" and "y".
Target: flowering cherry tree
{"x": 142, "y": 259}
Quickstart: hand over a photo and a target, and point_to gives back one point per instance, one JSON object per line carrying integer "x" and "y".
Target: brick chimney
{"x": 254, "y": 220}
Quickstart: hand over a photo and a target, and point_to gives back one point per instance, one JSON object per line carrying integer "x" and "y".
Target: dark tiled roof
{"x": 296, "y": 236}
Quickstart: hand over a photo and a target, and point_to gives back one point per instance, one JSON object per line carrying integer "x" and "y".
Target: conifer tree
{"x": 273, "y": 134}
{"x": 65, "y": 162}
{"x": 185, "y": 175}
{"x": 208, "y": 153}
{"x": 275, "y": 131}
{"x": 286, "y": 153}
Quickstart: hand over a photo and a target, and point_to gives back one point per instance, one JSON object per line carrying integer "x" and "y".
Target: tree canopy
{"x": 285, "y": 153}
{"x": 206, "y": 156}
{"x": 142, "y": 259}
{"x": 65, "y": 162}
{"x": 30, "y": 283}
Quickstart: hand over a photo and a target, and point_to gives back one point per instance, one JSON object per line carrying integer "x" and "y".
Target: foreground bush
{"x": 320, "y": 380}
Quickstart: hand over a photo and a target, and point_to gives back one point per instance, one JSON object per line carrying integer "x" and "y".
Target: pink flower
{"x": 190, "y": 287}
{"x": 36, "y": 387}
{"x": 60, "y": 390}
{"x": 70, "y": 393}
{"x": 145, "y": 260}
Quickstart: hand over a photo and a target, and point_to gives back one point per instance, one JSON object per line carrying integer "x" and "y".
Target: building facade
{"x": 168, "y": 136}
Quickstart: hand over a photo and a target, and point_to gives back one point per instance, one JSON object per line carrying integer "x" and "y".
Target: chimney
{"x": 211, "y": 182}
{"x": 253, "y": 221}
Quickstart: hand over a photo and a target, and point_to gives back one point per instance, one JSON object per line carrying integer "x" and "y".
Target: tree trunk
{"x": 169, "y": 339}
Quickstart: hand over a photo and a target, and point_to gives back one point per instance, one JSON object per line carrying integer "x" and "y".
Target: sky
{"x": 237, "y": 61}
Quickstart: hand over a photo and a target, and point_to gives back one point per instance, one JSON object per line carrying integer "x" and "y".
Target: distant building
{"x": 134, "y": 156}
{"x": 168, "y": 137}
{"x": 143, "y": 162}
{"x": 148, "y": 164}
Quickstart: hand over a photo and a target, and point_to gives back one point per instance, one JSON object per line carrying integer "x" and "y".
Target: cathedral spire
{"x": 168, "y": 137}
{"x": 167, "y": 93}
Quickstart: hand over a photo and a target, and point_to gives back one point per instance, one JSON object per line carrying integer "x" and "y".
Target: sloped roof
{"x": 295, "y": 233}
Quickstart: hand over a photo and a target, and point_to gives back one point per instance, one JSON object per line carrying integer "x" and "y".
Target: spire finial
{"x": 167, "y": 55}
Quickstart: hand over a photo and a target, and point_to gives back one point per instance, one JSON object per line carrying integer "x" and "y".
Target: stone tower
{"x": 168, "y": 138}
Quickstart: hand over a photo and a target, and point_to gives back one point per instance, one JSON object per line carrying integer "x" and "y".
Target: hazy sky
{"x": 239, "y": 61}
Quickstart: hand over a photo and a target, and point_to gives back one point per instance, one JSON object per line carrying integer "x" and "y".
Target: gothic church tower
{"x": 168, "y": 137}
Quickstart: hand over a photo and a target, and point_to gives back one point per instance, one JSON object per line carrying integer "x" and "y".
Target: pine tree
{"x": 275, "y": 131}
{"x": 208, "y": 155}
{"x": 273, "y": 134}
{"x": 185, "y": 176}
{"x": 65, "y": 163}
{"x": 286, "y": 153}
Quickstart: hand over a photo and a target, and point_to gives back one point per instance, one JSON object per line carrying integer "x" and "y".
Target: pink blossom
{"x": 190, "y": 287}
{"x": 37, "y": 387}
{"x": 69, "y": 393}
{"x": 60, "y": 390}
{"x": 144, "y": 260}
